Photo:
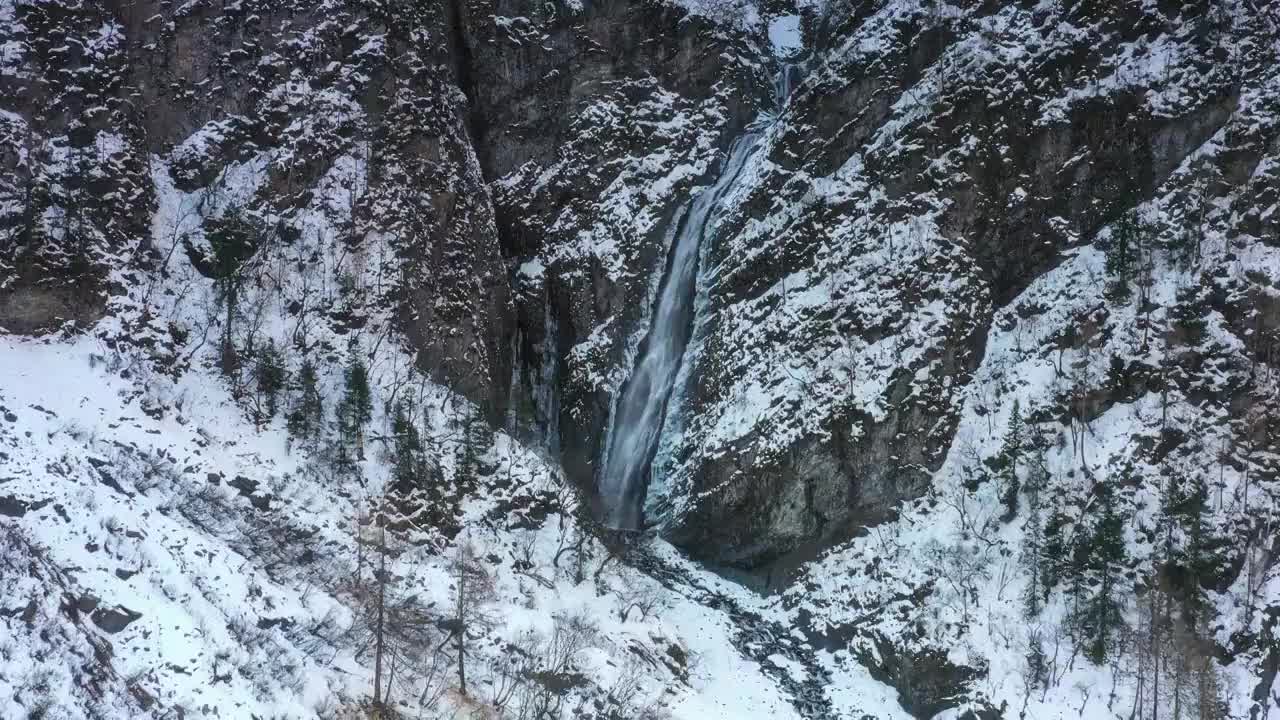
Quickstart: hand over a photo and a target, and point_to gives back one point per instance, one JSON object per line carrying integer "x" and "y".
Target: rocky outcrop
{"x": 114, "y": 619}
{"x": 258, "y": 109}
{"x": 71, "y": 160}
{"x": 598, "y": 121}
{"x": 921, "y": 179}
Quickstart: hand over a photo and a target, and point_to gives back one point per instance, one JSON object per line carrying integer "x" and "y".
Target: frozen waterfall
{"x": 640, "y": 412}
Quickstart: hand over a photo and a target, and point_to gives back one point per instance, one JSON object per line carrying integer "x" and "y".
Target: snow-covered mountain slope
{"x": 318, "y": 313}
{"x": 162, "y": 555}
{"x": 173, "y": 547}
{"x": 182, "y": 541}
{"x": 1063, "y": 212}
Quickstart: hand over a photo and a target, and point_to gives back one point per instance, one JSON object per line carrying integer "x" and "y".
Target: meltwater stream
{"x": 641, "y": 411}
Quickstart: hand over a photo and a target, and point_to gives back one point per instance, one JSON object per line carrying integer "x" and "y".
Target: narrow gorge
{"x": 640, "y": 414}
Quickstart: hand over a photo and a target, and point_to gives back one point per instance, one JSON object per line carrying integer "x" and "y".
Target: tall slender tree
{"x": 233, "y": 240}
{"x": 1122, "y": 253}
{"x": 408, "y": 470}
{"x": 356, "y": 407}
{"x": 477, "y": 437}
{"x": 1107, "y": 563}
{"x": 1189, "y": 557}
{"x": 1010, "y": 460}
{"x": 1055, "y": 563}
{"x": 306, "y": 417}
{"x": 1033, "y": 560}
{"x": 270, "y": 376}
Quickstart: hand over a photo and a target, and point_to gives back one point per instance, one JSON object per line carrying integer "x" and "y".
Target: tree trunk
{"x": 462, "y": 627}
{"x": 379, "y": 635}
{"x": 1155, "y": 654}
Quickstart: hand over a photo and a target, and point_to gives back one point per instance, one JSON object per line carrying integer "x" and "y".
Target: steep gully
{"x": 754, "y": 636}
{"x": 642, "y": 409}
{"x": 640, "y": 415}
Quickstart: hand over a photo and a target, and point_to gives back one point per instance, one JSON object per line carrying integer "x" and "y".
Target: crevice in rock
{"x": 461, "y": 54}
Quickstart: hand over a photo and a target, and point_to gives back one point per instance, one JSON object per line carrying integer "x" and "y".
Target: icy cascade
{"x": 640, "y": 413}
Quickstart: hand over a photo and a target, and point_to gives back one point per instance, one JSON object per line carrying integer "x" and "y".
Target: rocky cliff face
{"x": 73, "y": 159}
{"x": 934, "y": 163}
{"x": 338, "y": 117}
{"x": 622, "y": 110}
{"x": 483, "y": 194}
{"x": 566, "y": 110}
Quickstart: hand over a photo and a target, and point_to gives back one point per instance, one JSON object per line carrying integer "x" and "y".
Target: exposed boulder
{"x": 114, "y": 619}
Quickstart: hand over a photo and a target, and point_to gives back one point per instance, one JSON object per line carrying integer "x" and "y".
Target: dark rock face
{"x": 249, "y": 489}
{"x": 596, "y": 126}
{"x": 71, "y": 157}
{"x": 809, "y": 415}
{"x": 433, "y": 100}
{"x": 11, "y": 506}
{"x": 302, "y": 86}
{"x": 927, "y": 683}
{"x": 114, "y": 620}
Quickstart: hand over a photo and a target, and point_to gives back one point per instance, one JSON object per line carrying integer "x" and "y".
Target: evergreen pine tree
{"x": 1075, "y": 575}
{"x": 1054, "y": 547}
{"x": 407, "y": 472}
{"x": 308, "y": 410}
{"x": 233, "y": 241}
{"x": 1180, "y": 246}
{"x": 1037, "y": 466}
{"x": 1121, "y": 254}
{"x": 1010, "y": 457}
{"x": 342, "y": 463}
{"x": 356, "y": 408}
{"x": 477, "y": 438}
{"x": 1189, "y": 560}
{"x": 1108, "y": 557}
{"x": 1036, "y": 544}
{"x": 1033, "y": 559}
{"x": 270, "y": 375}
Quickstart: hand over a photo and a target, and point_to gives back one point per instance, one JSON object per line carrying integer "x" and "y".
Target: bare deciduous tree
{"x": 393, "y": 623}
{"x": 473, "y": 591}
{"x": 639, "y": 596}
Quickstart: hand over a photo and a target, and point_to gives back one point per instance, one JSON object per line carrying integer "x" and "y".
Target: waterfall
{"x": 641, "y": 410}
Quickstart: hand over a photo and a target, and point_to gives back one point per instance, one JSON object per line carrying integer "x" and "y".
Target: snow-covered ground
{"x": 128, "y": 488}
{"x": 166, "y": 553}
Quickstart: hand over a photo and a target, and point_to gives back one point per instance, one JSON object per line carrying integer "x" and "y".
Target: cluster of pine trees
{"x": 394, "y": 628}
{"x": 1149, "y": 618}
{"x": 260, "y": 376}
